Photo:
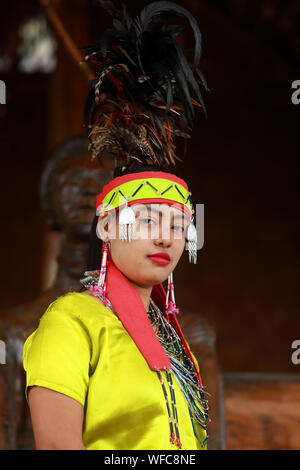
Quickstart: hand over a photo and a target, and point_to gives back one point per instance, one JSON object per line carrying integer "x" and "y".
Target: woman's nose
{"x": 162, "y": 242}
{"x": 163, "y": 237}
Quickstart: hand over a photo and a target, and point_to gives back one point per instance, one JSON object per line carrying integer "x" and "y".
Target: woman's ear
{"x": 102, "y": 227}
{"x": 106, "y": 227}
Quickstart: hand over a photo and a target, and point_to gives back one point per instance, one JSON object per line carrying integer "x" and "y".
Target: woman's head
{"x": 159, "y": 228}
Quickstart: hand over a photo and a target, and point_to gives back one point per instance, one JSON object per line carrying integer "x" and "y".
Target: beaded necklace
{"x": 181, "y": 366}
{"x": 183, "y": 370}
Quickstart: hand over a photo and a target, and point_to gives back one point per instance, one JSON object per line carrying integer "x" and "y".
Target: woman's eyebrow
{"x": 178, "y": 216}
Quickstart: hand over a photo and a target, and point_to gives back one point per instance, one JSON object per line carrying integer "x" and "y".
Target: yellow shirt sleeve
{"x": 57, "y": 354}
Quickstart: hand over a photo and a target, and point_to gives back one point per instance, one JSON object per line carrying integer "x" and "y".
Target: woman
{"x": 109, "y": 367}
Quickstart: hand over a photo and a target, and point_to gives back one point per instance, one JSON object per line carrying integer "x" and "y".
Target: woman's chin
{"x": 149, "y": 281}
{"x": 159, "y": 279}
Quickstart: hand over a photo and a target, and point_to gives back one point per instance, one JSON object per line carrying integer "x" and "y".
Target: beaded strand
{"x": 171, "y": 419}
{"x": 183, "y": 371}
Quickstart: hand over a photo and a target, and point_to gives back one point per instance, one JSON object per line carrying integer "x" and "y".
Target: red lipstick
{"x": 160, "y": 258}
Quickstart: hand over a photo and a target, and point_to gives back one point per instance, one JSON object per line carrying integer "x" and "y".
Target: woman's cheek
{"x": 142, "y": 233}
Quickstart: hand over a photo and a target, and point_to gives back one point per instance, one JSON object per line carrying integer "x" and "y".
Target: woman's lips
{"x": 160, "y": 258}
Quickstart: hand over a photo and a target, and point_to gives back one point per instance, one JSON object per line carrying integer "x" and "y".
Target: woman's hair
{"x": 95, "y": 243}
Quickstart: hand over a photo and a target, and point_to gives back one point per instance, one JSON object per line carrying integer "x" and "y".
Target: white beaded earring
{"x": 127, "y": 223}
{"x": 191, "y": 241}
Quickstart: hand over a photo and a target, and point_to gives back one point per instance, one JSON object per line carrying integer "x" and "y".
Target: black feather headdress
{"x": 140, "y": 99}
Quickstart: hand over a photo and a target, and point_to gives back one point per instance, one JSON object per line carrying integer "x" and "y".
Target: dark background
{"x": 242, "y": 164}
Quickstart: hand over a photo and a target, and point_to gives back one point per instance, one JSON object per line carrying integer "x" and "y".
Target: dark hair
{"x": 95, "y": 243}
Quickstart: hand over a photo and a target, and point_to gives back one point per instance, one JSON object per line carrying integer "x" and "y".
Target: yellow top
{"x": 82, "y": 350}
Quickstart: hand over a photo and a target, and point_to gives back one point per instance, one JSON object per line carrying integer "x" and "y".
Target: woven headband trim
{"x": 145, "y": 187}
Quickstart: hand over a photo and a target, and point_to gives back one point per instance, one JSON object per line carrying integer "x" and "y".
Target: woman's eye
{"x": 146, "y": 220}
{"x": 178, "y": 228}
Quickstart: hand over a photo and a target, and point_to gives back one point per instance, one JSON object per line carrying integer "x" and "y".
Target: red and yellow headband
{"x": 145, "y": 187}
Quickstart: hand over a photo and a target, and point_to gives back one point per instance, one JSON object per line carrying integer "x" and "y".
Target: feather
{"x": 89, "y": 107}
{"x": 190, "y": 77}
{"x": 161, "y": 8}
{"x": 169, "y": 95}
{"x": 201, "y": 76}
{"x": 141, "y": 97}
{"x": 108, "y": 6}
{"x": 126, "y": 18}
{"x": 106, "y": 37}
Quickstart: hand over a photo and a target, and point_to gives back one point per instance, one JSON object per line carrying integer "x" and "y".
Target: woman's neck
{"x": 145, "y": 293}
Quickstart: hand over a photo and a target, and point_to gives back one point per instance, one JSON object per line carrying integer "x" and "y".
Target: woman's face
{"x": 159, "y": 228}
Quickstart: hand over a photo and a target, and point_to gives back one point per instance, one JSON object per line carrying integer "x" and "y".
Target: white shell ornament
{"x": 127, "y": 223}
{"x": 191, "y": 245}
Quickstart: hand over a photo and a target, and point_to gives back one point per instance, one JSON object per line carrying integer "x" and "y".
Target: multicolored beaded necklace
{"x": 184, "y": 372}
{"x": 181, "y": 366}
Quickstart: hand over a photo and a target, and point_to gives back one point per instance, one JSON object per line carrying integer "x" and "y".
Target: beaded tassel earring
{"x": 127, "y": 223}
{"x": 170, "y": 298}
{"x": 191, "y": 241}
{"x": 101, "y": 287}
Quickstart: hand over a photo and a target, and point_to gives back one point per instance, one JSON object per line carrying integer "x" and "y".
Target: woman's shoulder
{"x": 80, "y": 305}
{"x": 74, "y": 299}
{"x": 73, "y": 312}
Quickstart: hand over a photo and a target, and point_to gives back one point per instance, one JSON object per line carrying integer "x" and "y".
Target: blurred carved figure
{"x": 70, "y": 182}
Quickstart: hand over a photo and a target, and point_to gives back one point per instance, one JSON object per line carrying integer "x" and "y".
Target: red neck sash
{"x": 128, "y": 306}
